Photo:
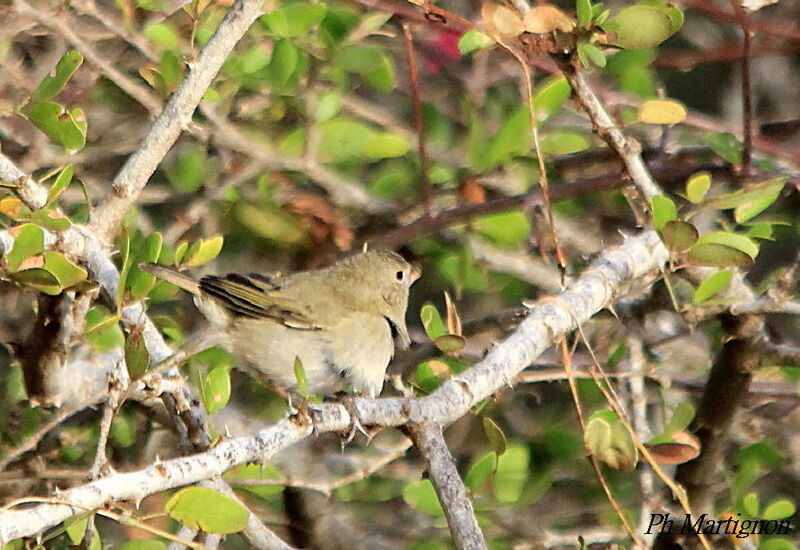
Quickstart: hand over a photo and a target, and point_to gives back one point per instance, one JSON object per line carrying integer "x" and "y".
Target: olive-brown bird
{"x": 340, "y": 321}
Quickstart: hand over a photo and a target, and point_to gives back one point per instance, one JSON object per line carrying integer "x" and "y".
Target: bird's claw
{"x": 348, "y": 402}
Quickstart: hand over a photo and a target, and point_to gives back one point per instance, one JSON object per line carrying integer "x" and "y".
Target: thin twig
{"x": 416, "y": 108}
{"x": 747, "y": 90}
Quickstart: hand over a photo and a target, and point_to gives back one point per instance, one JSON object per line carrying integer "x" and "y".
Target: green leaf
{"x": 140, "y": 282}
{"x": 678, "y": 235}
{"x": 760, "y": 230}
{"x": 207, "y": 510}
{"x": 180, "y": 252}
{"x": 733, "y": 240}
{"x": 473, "y": 40}
{"x": 777, "y": 544}
{"x": 137, "y": 358}
{"x": 697, "y": 186}
{"x": 217, "y": 389}
{"x": 778, "y": 509}
{"x": 751, "y": 505}
{"x": 67, "y": 273}
{"x": 512, "y": 138}
{"x": 342, "y": 139}
{"x": 61, "y": 182}
{"x": 186, "y": 171}
{"x": 590, "y": 54}
{"x": 638, "y": 26}
{"x": 760, "y": 194}
{"x": 480, "y": 470}
{"x": 161, "y": 34}
{"x": 67, "y": 128}
{"x": 431, "y": 321}
{"x": 38, "y": 279}
{"x": 422, "y": 498}
{"x": 28, "y": 241}
{"x": 726, "y": 146}
{"x": 663, "y": 211}
{"x": 681, "y": 417}
{"x": 76, "y": 527}
{"x": 295, "y": 19}
{"x": 549, "y": 96}
{"x": 53, "y": 83}
{"x": 717, "y": 255}
{"x": 504, "y": 228}
{"x": 142, "y": 544}
{"x": 711, "y": 285}
{"x": 202, "y": 251}
{"x": 563, "y": 143}
{"x": 583, "y": 11}
{"x": 495, "y": 435}
{"x": 511, "y": 473}
{"x": 752, "y": 208}
{"x": 284, "y": 61}
{"x": 49, "y": 218}
{"x": 299, "y": 375}
{"x": 122, "y": 431}
{"x": 609, "y": 442}
{"x": 326, "y": 106}
{"x": 385, "y": 145}
{"x": 370, "y": 62}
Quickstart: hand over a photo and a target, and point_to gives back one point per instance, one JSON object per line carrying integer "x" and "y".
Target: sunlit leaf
{"x": 473, "y": 40}
{"x": 609, "y": 442}
{"x": 207, "y": 510}
{"x": 663, "y": 211}
{"x": 431, "y": 321}
{"x": 712, "y": 285}
{"x": 61, "y": 182}
{"x": 697, "y": 186}
{"x": 56, "y": 80}
{"x": 421, "y": 497}
{"x": 496, "y": 437}
{"x": 543, "y": 18}
{"x": 217, "y": 389}
{"x": 639, "y": 26}
{"x": 28, "y": 240}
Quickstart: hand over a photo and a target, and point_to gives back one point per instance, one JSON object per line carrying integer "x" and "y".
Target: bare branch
{"x": 448, "y": 486}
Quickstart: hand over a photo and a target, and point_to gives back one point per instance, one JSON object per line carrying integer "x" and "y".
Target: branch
{"x": 448, "y": 486}
{"x": 176, "y": 115}
{"x": 637, "y": 260}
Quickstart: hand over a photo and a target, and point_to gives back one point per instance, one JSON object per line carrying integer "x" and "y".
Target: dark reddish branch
{"x": 416, "y": 107}
{"x": 747, "y": 89}
{"x": 444, "y": 218}
{"x": 688, "y": 59}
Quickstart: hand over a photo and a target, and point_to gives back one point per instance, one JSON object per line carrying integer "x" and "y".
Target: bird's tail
{"x": 172, "y": 276}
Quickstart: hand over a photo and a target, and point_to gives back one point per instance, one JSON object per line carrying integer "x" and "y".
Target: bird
{"x": 339, "y": 322}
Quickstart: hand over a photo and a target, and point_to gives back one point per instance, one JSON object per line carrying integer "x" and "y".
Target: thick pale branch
{"x": 449, "y": 488}
{"x": 636, "y": 261}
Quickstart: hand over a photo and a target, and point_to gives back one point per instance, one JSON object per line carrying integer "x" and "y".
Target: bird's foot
{"x": 347, "y": 400}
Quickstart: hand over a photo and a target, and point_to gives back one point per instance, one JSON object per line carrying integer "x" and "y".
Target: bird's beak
{"x": 414, "y": 274}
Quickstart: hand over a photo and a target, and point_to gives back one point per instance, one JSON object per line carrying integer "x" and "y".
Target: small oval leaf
{"x": 207, "y": 510}
{"x": 678, "y": 235}
{"x": 712, "y": 285}
{"x": 661, "y": 111}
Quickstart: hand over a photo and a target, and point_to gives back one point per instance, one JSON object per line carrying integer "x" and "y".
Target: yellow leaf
{"x": 661, "y": 111}
{"x": 10, "y": 206}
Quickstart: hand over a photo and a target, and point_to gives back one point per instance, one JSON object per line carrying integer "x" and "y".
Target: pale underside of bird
{"x": 339, "y": 322}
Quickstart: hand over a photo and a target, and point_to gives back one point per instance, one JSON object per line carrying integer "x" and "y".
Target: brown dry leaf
{"x": 321, "y": 219}
{"x": 501, "y": 20}
{"x": 471, "y": 191}
{"x": 453, "y": 320}
{"x": 683, "y": 448}
{"x": 546, "y": 18}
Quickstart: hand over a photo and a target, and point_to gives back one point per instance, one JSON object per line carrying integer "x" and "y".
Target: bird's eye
{"x": 399, "y": 275}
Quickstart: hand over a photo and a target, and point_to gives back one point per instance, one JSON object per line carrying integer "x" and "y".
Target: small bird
{"x": 339, "y": 321}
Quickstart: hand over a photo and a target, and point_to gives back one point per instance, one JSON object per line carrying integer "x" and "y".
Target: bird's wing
{"x": 259, "y": 297}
